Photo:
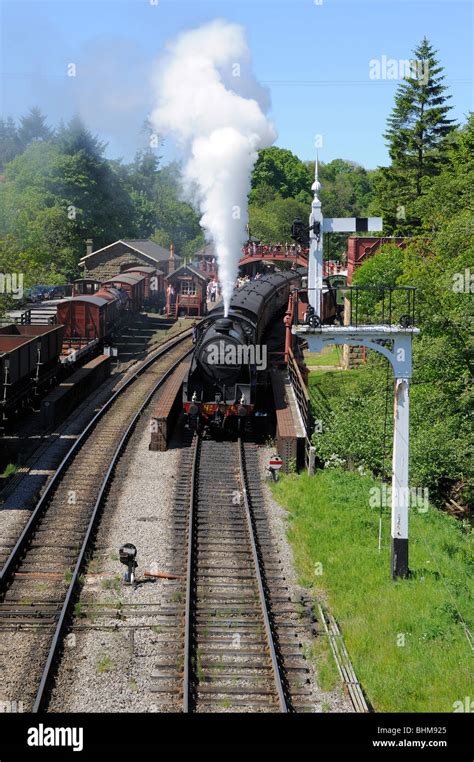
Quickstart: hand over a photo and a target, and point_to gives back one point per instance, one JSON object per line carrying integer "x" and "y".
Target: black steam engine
{"x": 230, "y": 358}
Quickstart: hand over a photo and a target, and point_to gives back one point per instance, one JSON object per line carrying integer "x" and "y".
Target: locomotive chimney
{"x": 223, "y": 325}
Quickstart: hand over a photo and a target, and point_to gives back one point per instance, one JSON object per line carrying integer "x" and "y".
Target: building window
{"x": 188, "y": 288}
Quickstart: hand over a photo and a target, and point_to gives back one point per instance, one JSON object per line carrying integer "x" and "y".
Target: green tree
{"x": 346, "y": 188}
{"x": 272, "y": 221}
{"x": 419, "y": 120}
{"x": 10, "y": 145}
{"x": 416, "y": 135}
{"x": 176, "y": 221}
{"x": 33, "y": 127}
{"x": 58, "y": 193}
{"x": 278, "y": 172}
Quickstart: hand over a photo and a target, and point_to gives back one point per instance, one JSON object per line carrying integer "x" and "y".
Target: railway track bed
{"x": 125, "y": 648}
{"x": 128, "y": 652}
{"x": 39, "y": 578}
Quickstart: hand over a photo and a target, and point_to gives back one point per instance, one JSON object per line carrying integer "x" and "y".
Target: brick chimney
{"x": 89, "y": 246}
{"x": 171, "y": 262}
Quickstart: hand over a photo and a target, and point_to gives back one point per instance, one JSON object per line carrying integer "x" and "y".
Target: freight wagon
{"x": 133, "y": 285}
{"x": 29, "y": 357}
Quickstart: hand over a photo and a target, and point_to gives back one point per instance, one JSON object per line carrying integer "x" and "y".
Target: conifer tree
{"x": 419, "y": 120}
{"x": 33, "y": 127}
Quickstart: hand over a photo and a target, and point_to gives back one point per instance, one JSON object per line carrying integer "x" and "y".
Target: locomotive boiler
{"x": 230, "y": 360}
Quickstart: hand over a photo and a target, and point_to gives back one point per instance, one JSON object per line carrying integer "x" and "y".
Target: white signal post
{"x": 378, "y": 338}
{"x": 316, "y": 239}
{"x": 315, "y": 258}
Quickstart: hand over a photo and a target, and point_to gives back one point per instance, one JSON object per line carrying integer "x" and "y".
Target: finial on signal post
{"x": 316, "y": 186}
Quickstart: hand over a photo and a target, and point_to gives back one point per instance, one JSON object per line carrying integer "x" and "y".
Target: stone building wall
{"x": 105, "y": 264}
{"x": 352, "y": 357}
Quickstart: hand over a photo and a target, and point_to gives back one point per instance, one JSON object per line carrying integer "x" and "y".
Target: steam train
{"x": 229, "y": 361}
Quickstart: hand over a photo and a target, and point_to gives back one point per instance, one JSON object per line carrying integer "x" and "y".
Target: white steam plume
{"x": 214, "y": 109}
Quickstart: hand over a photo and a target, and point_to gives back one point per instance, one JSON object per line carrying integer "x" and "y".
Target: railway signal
{"x": 318, "y": 225}
{"x": 274, "y": 465}
{"x": 127, "y": 555}
{"x": 394, "y": 341}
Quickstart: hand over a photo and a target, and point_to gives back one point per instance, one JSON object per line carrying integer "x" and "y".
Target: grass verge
{"x": 330, "y": 355}
{"x": 406, "y": 639}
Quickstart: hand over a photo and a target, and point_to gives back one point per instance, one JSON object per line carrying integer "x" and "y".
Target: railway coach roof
{"x": 141, "y": 269}
{"x": 128, "y": 279}
{"x": 97, "y": 301}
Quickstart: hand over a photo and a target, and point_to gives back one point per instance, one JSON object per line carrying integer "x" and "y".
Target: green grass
{"x": 330, "y": 355}
{"x": 105, "y": 664}
{"x": 331, "y": 523}
{"x": 112, "y": 584}
{"x": 332, "y": 382}
{"x": 9, "y": 470}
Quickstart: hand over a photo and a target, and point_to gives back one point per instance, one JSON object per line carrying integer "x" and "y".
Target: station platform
{"x": 167, "y": 408}
{"x": 290, "y": 429}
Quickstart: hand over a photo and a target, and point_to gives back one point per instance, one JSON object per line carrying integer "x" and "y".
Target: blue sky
{"x": 314, "y": 58}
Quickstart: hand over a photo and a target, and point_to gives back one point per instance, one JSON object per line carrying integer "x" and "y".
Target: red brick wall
{"x": 359, "y": 248}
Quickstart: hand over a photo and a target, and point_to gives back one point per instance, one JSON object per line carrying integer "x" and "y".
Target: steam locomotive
{"x": 229, "y": 362}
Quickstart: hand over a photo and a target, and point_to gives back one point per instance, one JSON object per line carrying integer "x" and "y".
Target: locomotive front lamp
{"x": 127, "y": 555}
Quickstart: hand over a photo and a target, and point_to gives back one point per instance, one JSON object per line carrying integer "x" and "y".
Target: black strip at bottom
{"x": 399, "y": 557}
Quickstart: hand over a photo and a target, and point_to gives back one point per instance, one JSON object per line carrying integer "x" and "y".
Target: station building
{"x": 121, "y": 255}
{"x": 186, "y": 292}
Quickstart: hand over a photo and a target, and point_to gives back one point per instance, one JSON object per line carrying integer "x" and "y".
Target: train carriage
{"x": 133, "y": 285}
{"x": 84, "y": 317}
{"x": 154, "y": 281}
{"x": 28, "y": 361}
{"x": 86, "y": 286}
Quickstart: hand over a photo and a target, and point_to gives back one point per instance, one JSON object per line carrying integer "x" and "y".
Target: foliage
{"x": 406, "y": 639}
{"x": 59, "y": 190}
{"x": 272, "y": 221}
{"x": 417, "y": 135}
{"x": 346, "y": 188}
{"x": 441, "y": 390}
{"x": 279, "y": 173}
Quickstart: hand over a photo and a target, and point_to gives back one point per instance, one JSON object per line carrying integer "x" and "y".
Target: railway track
{"x": 240, "y": 647}
{"x": 231, "y": 656}
{"x": 41, "y": 576}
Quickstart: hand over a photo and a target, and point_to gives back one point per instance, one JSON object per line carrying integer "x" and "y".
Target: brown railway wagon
{"x": 64, "y": 398}
{"x": 110, "y": 293}
{"x": 85, "y": 286}
{"x": 18, "y": 358}
{"x": 49, "y": 339}
{"x": 29, "y": 356}
{"x": 154, "y": 280}
{"x": 86, "y": 317}
{"x": 134, "y": 285}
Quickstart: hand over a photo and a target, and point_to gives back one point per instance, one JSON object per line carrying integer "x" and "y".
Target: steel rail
{"x": 12, "y": 560}
{"x": 57, "y": 637}
{"x": 189, "y": 576}
{"x": 258, "y": 574}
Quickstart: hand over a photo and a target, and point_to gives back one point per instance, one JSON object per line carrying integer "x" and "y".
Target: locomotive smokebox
{"x": 223, "y": 325}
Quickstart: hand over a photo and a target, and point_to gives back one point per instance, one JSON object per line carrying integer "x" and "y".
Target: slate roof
{"x": 142, "y": 245}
